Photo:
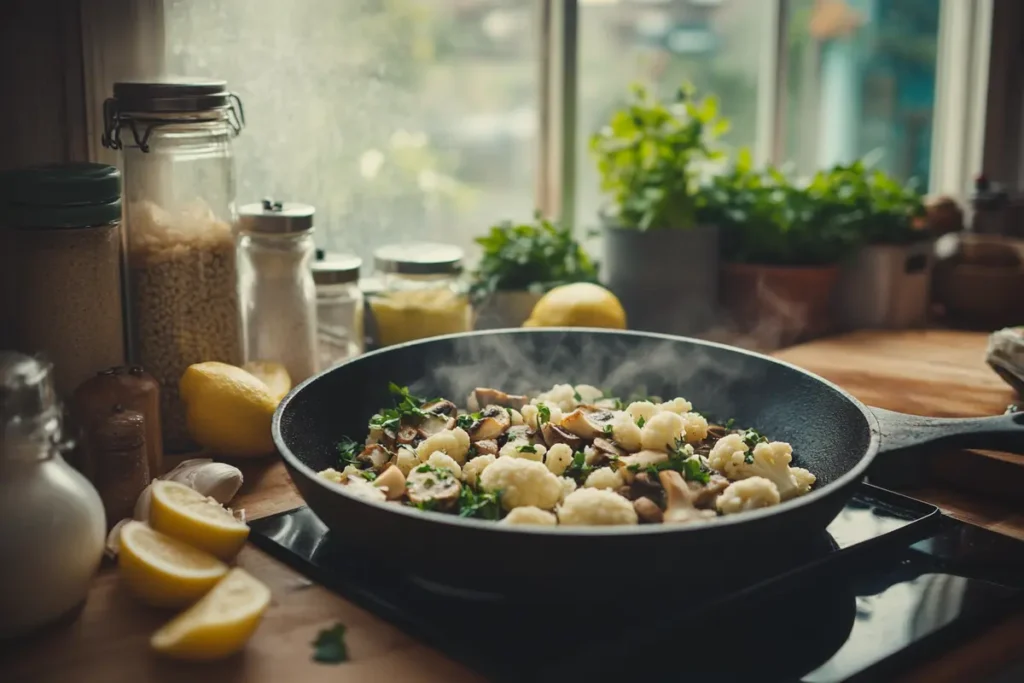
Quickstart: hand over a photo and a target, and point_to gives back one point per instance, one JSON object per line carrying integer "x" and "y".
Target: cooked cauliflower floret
{"x": 641, "y": 409}
{"x": 534, "y": 416}
{"x": 453, "y": 442}
{"x": 558, "y": 458}
{"x": 695, "y": 427}
{"x": 522, "y": 482}
{"x": 331, "y": 474}
{"x": 625, "y": 432}
{"x": 360, "y": 488}
{"x": 604, "y": 478}
{"x": 661, "y": 431}
{"x": 747, "y": 494}
{"x": 730, "y": 456}
{"x": 522, "y": 448}
{"x": 406, "y": 459}
{"x": 568, "y": 486}
{"x": 445, "y": 462}
{"x": 677, "y": 405}
{"x": 562, "y": 396}
{"x": 588, "y": 394}
{"x": 804, "y": 479}
{"x": 596, "y": 507}
{"x": 516, "y": 417}
{"x": 475, "y": 467}
{"x": 530, "y": 515}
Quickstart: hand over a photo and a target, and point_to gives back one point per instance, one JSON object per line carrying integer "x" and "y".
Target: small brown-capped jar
{"x": 130, "y": 387}
{"x": 118, "y": 464}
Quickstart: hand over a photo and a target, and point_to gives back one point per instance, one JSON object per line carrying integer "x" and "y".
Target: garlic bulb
{"x": 214, "y": 479}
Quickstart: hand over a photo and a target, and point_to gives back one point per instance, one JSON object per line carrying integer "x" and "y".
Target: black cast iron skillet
{"x": 833, "y": 435}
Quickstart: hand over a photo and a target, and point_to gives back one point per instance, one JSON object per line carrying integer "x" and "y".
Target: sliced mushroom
{"x": 432, "y": 424}
{"x": 716, "y": 432}
{"x": 486, "y": 397}
{"x": 704, "y": 495}
{"x": 648, "y": 511}
{"x": 376, "y": 455}
{"x": 429, "y": 486}
{"x": 679, "y": 499}
{"x": 607, "y": 404}
{"x": 442, "y": 407}
{"x": 646, "y": 486}
{"x": 553, "y": 434}
{"x": 487, "y": 447}
{"x": 608, "y": 449}
{"x": 632, "y": 464}
{"x": 588, "y": 424}
{"x": 392, "y": 482}
{"x": 493, "y": 422}
{"x": 407, "y": 434}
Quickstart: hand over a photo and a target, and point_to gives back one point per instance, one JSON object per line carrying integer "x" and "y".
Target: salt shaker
{"x": 339, "y": 307}
{"x": 275, "y": 285}
{"x": 119, "y": 466}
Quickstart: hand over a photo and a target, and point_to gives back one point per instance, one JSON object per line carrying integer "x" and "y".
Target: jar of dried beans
{"x": 181, "y": 283}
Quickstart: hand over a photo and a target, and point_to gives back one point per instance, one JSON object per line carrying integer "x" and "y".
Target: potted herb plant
{"x": 659, "y": 259}
{"x": 521, "y": 262}
{"x": 884, "y": 283}
{"x": 781, "y": 249}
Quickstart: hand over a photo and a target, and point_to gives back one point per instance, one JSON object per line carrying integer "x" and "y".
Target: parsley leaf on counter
{"x": 329, "y": 646}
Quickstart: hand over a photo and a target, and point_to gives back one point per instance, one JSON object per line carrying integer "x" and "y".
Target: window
{"x": 861, "y": 80}
{"x": 715, "y": 44}
{"x": 397, "y": 119}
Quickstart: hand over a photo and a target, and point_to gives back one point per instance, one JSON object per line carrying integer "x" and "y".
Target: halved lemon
{"x": 218, "y": 625}
{"x": 162, "y": 570}
{"x": 187, "y": 515}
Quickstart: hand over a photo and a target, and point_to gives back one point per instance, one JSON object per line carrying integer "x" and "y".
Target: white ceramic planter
{"x": 885, "y": 287}
{"x": 505, "y": 309}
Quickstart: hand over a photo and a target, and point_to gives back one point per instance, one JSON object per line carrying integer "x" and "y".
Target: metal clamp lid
{"x": 271, "y": 217}
{"x": 165, "y": 102}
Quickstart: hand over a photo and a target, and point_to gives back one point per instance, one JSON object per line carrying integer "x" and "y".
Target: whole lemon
{"x": 581, "y": 304}
{"x": 228, "y": 410}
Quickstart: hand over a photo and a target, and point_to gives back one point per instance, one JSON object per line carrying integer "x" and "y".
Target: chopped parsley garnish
{"x": 578, "y": 468}
{"x": 680, "y": 459}
{"x": 482, "y": 504}
{"x": 471, "y": 453}
{"x": 527, "y": 448}
{"x": 466, "y": 421}
{"x": 752, "y": 437}
{"x": 607, "y": 429}
{"x": 730, "y": 422}
{"x": 329, "y": 646}
{"x": 576, "y": 396}
{"x": 368, "y": 475}
{"x": 543, "y": 414}
{"x": 749, "y": 458}
{"x": 406, "y": 405}
{"x": 348, "y": 452}
{"x": 640, "y": 421}
{"x": 426, "y": 505}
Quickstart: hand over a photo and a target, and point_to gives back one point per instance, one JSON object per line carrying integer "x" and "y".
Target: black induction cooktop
{"x": 892, "y": 581}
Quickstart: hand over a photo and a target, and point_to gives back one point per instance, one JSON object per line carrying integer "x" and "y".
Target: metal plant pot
{"x": 885, "y": 286}
{"x": 667, "y": 280}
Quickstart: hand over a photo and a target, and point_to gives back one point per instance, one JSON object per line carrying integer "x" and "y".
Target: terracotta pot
{"x": 779, "y": 305}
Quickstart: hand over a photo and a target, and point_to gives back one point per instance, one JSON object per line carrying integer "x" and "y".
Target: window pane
{"x": 861, "y": 79}
{"x": 397, "y": 119}
{"x": 715, "y": 44}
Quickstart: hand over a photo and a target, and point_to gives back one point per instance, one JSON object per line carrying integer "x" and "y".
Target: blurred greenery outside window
{"x": 419, "y": 119}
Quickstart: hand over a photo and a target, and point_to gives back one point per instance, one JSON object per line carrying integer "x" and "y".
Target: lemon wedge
{"x": 163, "y": 571}
{"x": 274, "y": 375}
{"x": 218, "y": 625}
{"x": 227, "y": 409}
{"x": 187, "y": 515}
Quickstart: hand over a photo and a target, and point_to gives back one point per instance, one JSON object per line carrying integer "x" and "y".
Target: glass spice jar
{"x": 422, "y": 293}
{"x": 339, "y": 307}
{"x": 60, "y": 268}
{"x": 275, "y": 285}
{"x": 180, "y": 276}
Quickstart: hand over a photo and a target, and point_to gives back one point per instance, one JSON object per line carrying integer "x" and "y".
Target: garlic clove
{"x": 218, "y": 481}
{"x": 113, "y": 546}
{"x": 142, "y": 504}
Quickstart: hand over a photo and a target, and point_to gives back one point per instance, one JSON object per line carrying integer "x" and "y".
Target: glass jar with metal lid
{"x": 180, "y": 276}
{"x": 339, "y": 307}
{"x": 422, "y": 295}
{"x": 275, "y": 286}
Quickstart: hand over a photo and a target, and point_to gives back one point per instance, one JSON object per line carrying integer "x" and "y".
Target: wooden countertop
{"x": 928, "y": 373}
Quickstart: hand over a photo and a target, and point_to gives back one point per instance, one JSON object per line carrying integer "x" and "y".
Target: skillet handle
{"x": 901, "y": 433}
